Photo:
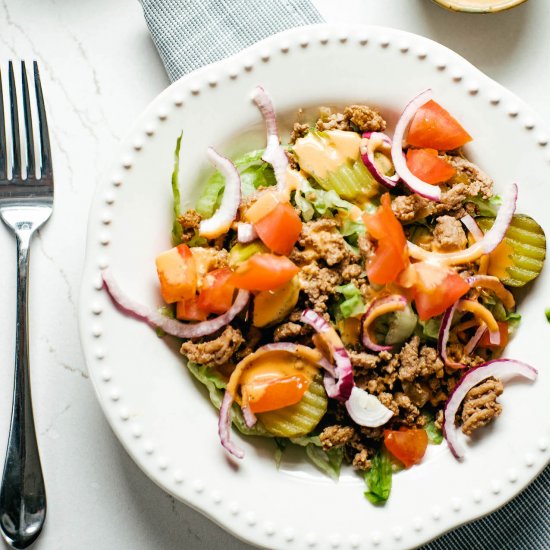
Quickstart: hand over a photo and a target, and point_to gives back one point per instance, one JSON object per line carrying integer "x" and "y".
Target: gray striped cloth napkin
{"x": 192, "y": 33}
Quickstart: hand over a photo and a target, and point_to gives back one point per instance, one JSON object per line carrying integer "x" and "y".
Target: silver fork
{"x": 25, "y": 204}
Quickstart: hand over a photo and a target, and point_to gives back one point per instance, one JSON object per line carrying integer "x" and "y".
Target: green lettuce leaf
{"x": 353, "y": 303}
{"x": 430, "y": 328}
{"x": 254, "y": 173}
{"x": 486, "y": 207}
{"x": 547, "y": 313}
{"x": 311, "y": 201}
{"x": 435, "y": 435}
{"x": 329, "y": 462}
{"x": 379, "y": 478}
{"x": 177, "y": 230}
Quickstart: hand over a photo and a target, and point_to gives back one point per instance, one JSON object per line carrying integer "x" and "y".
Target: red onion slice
{"x": 472, "y": 227}
{"x": 224, "y": 426}
{"x": 246, "y": 233}
{"x": 366, "y": 409}
{"x": 341, "y": 385}
{"x": 249, "y": 417}
{"x": 400, "y": 302}
{"x": 503, "y": 369}
{"x": 171, "y": 326}
{"x": 416, "y": 185}
{"x": 486, "y": 245}
{"x": 224, "y": 216}
{"x": 443, "y": 337}
{"x": 377, "y": 141}
{"x": 274, "y": 154}
{"x": 474, "y": 340}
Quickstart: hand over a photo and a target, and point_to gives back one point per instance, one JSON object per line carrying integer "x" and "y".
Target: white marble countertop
{"x": 99, "y": 71}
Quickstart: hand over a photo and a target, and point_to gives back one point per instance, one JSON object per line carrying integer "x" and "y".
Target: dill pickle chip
{"x": 301, "y": 418}
{"x": 519, "y": 258}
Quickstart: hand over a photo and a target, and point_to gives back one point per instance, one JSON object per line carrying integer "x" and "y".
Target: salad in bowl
{"x": 350, "y": 291}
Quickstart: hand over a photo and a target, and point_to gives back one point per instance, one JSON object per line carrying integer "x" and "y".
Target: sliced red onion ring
{"x": 472, "y": 227}
{"x": 249, "y": 417}
{"x": 443, "y": 337}
{"x": 246, "y": 233}
{"x": 416, "y": 185}
{"x": 224, "y": 216}
{"x": 171, "y": 326}
{"x": 377, "y": 141}
{"x": 486, "y": 245}
{"x": 341, "y": 385}
{"x": 365, "y": 409}
{"x": 474, "y": 340}
{"x": 503, "y": 369}
{"x": 371, "y": 315}
{"x": 224, "y": 426}
{"x": 274, "y": 154}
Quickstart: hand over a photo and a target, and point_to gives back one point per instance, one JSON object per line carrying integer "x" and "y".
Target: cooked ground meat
{"x": 331, "y": 121}
{"x": 363, "y": 360}
{"x": 364, "y": 118}
{"x": 215, "y": 352}
{"x": 298, "y": 131}
{"x": 448, "y": 235}
{"x": 417, "y": 391}
{"x": 251, "y": 339}
{"x": 289, "y": 331}
{"x": 419, "y": 361}
{"x": 408, "y": 208}
{"x": 318, "y": 283}
{"x": 439, "y": 419}
{"x": 480, "y": 405}
{"x": 189, "y": 221}
{"x": 476, "y": 181}
{"x": 361, "y": 460}
{"x": 320, "y": 239}
{"x": 336, "y": 436}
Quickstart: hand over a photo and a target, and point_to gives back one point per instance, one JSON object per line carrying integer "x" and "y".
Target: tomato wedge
{"x": 280, "y": 229}
{"x": 189, "y": 310}
{"x": 216, "y": 295}
{"x": 436, "y": 289}
{"x": 433, "y": 127}
{"x": 407, "y": 445}
{"x": 263, "y": 272}
{"x": 275, "y": 394}
{"x": 177, "y": 274}
{"x": 485, "y": 342}
{"x": 427, "y": 166}
{"x": 390, "y": 257}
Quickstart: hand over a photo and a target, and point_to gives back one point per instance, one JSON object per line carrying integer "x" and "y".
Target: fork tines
{"x": 20, "y": 149}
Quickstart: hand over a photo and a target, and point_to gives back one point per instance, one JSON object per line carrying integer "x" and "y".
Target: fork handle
{"x": 22, "y": 493}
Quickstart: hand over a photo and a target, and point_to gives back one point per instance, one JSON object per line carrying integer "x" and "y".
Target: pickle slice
{"x": 301, "y": 418}
{"x": 519, "y": 258}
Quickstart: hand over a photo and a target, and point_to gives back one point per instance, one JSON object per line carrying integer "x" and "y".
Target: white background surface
{"x": 99, "y": 70}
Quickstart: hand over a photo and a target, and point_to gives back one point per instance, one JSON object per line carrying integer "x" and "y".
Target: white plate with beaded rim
{"x": 164, "y": 418}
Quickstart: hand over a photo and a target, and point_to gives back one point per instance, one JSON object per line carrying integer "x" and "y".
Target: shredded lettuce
{"x": 435, "y": 435}
{"x": 311, "y": 201}
{"x": 254, "y": 173}
{"x": 547, "y": 313}
{"x": 379, "y": 478}
{"x": 430, "y": 328}
{"x": 329, "y": 462}
{"x": 353, "y": 303}
{"x": 177, "y": 230}
{"x": 486, "y": 207}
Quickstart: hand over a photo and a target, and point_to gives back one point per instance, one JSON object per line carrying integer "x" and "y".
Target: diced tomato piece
{"x": 436, "y": 289}
{"x": 177, "y": 274}
{"x": 276, "y": 394}
{"x": 433, "y": 127}
{"x": 189, "y": 310}
{"x": 485, "y": 342}
{"x": 263, "y": 272}
{"x": 216, "y": 295}
{"x": 280, "y": 229}
{"x": 407, "y": 445}
{"x": 390, "y": 257}
{"x": 427, "y": 166}
{"x": 265, "y": 203}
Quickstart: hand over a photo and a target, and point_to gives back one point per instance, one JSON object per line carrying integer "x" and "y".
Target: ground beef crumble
{"x": 336, "y": 436}
{"x": 448, "y": 235}
{"x": 355, "y": 117}
{"x": 480, "y": 405}
{"x": 216, "y": 352}
{"x": 189, "y": 221}
{"x": 318, "y": 284}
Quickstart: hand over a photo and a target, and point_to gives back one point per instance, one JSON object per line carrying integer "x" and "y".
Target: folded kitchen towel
{"x": 192, "y": 33}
